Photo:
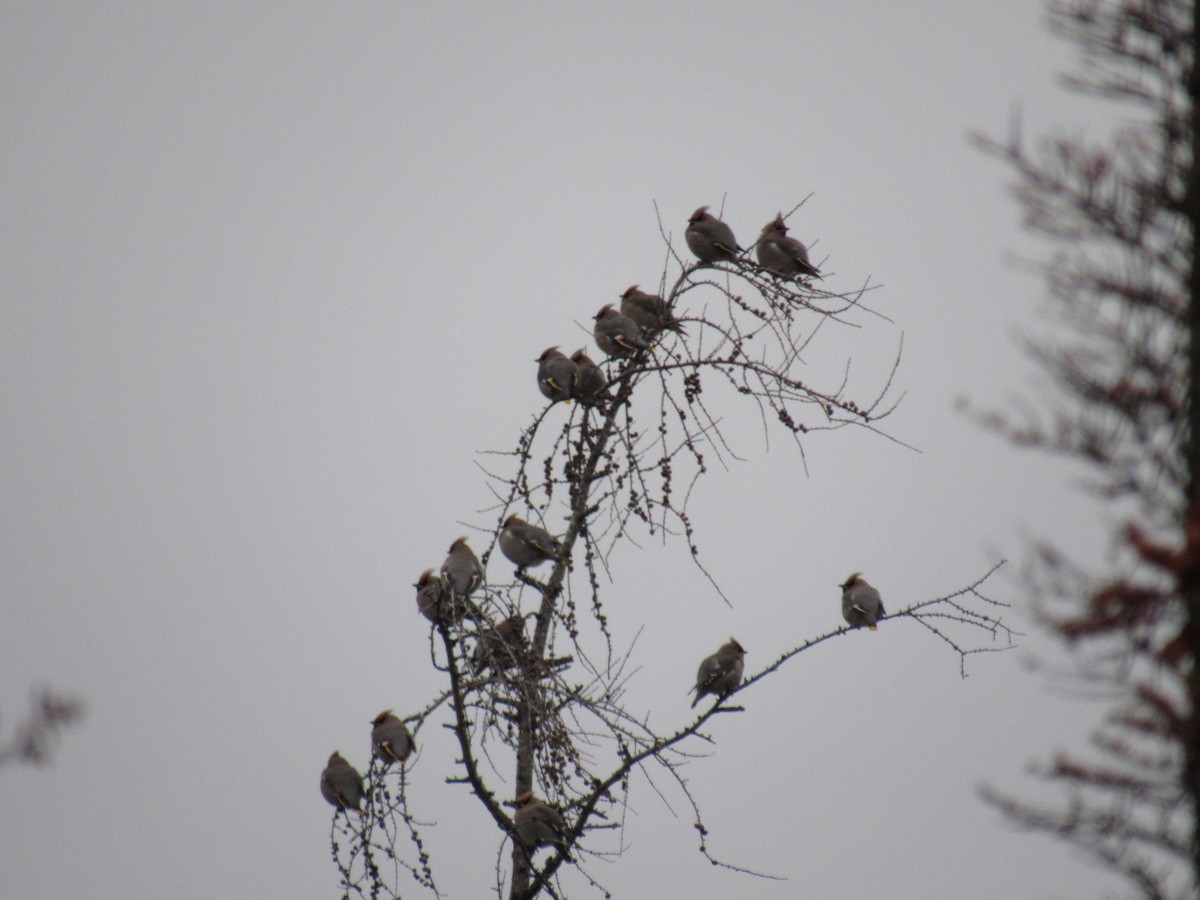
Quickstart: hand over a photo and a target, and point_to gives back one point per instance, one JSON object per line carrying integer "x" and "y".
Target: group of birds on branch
{"x": 444, "y": 597}
{"x": 711, "y": 240}
{"x": 721, "y": 673}
{"x": 633, "y": 327}
{"x": 619, "y": 333}
{"x": 341, "y": 783}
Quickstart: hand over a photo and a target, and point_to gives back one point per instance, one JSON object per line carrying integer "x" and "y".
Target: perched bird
{"x": 341, "y": 784}
{"x": 861, "y": 603}
{"x": 592, "y": 386}
{"x": 390, "y": 740}
{"x": 429, "y": 595}
{"x": 721, "y": 672}
{"x": 539, "y": 825}
{"x": 461, "y": 572}
{"x": 434, "y": 601}
{"x": 710, "y": 238}
{"x": 648, "y": 311}
{"x": 500, "y": 647}
{"x": 557, "y": 377}
{"x": 782, "y": 255}
{"x": 617, "y": 335}
{"x": 527, "y": 545}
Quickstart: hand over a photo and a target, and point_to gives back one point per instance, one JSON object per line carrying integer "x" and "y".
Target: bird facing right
{"x": 861, "y": 603}
{"x": 782, "y": 255}
{"x": 720, "y": 673}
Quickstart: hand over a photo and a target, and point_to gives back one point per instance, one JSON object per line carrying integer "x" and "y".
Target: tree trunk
{"x": 1190, "y": 577}
{"x": 538, "y": 656}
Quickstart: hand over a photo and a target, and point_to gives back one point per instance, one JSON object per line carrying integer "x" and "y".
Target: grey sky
{"x": 272, "y": 275}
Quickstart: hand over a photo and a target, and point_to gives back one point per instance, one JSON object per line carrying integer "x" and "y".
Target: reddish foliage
{"x": 1116, "y": 607}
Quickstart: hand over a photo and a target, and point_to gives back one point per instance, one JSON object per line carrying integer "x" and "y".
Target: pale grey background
{"x": 272, "y": 273}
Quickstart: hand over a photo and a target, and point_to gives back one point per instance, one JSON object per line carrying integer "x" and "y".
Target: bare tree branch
{"x": 552, "y": 705}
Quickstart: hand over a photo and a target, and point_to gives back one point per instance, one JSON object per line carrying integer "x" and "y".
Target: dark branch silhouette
{"x": 1123, "y": 286}
{"x": 35, "y": 738}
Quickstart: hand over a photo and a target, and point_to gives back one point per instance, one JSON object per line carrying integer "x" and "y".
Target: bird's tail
{"x": 676, "y": 326}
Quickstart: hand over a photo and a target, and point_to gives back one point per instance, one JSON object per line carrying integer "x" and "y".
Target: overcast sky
{"x": 272, "y": 274}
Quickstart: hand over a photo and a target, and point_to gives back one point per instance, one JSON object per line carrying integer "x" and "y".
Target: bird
{"x": 648, "y": 311}
{"x": 557, "y": 376}
{"x": 434, "y": 603}
{"x": 429, "y": 595}
{"x": 527, "y": 545}
{"x": 592, "y": 386}
{"x": 341, "y": 784}
{"x": 861, "y": 603}
{"x": 710, "y": 239}
{"x": 782, "y": 255}
{"x": 390, "y": 740}
{"x": 461, "y": 572}
{"x": 721, "y": 672}
{"x": 539, "y": 825}
{"x": 500, "y": 647}
{"x": 617, "y": 335}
